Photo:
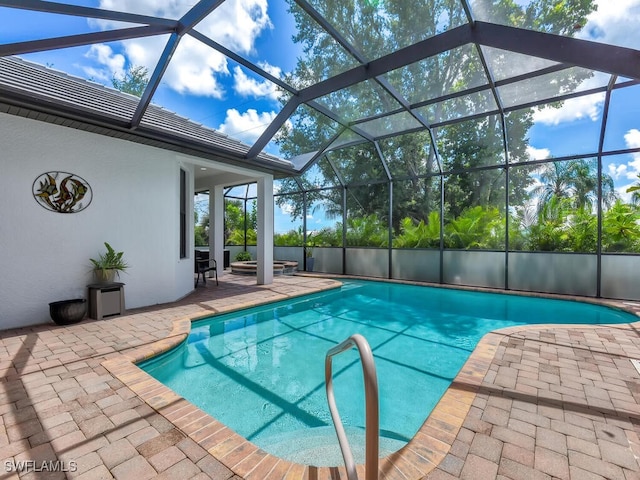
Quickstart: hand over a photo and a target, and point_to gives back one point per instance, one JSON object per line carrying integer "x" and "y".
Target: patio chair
{"x": 204, "y": 264}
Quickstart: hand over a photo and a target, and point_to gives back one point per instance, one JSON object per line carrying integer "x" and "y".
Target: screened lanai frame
{"x": 589, "y": 263}
{"x": 513, "y": 69}
{"x": 552, "y": 53}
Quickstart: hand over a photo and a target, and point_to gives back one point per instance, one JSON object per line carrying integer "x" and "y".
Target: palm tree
{"x": 574, "y": 179}
{"x": 635, "y": 189}
{"x": 556, "y": 182}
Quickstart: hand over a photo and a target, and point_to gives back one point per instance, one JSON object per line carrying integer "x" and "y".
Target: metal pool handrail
{"x": 372, "y": 422}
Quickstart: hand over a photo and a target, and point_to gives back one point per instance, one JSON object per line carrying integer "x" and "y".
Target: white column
{"x": 216, "y": 226}
{"x": 265, "y": 230}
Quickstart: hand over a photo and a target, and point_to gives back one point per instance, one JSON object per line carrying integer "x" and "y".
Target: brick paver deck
{"x": 531, "y": 402}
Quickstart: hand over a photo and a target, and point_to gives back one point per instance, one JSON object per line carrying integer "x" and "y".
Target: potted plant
{"x": 308, "y": 252}
{"x": 108, "y": 265}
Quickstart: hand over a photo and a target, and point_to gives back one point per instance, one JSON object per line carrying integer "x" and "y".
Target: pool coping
{"x": 422, "y": 454}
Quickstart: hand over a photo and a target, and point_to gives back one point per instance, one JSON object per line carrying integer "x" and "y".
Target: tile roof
{"x": 89, "y": 105}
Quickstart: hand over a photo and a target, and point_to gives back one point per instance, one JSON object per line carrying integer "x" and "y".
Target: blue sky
{"x": 209, "y": 88}
{"x": 200, "y": 83}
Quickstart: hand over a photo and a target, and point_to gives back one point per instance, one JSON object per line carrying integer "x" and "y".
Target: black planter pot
{"x": 66, "y": 312}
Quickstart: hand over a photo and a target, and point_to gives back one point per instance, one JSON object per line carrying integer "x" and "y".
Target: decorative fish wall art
{"x": 62, "y": 192}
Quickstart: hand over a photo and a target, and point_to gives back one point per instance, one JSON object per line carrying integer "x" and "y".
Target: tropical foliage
{"x": 555, "y": 225}
{"x": 201, "y": 230}
{"x": 109, "y": 260}
{"x": 456, "y": 168}
{"x": 621, "y": 228}
{"x": 419, "y": 234}
{"x": 635, "y": 191}
{"x": 452, "y": 185}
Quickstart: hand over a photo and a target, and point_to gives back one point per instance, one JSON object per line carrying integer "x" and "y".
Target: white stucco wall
{"x": 45, "y": 255}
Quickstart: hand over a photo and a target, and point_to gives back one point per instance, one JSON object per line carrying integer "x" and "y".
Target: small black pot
{"x": 66, "y": 312}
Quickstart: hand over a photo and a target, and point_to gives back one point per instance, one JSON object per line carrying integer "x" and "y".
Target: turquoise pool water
{"x": 261, "y": 371}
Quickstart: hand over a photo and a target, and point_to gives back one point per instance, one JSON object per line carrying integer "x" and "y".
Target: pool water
{"x": 261, "y": 371}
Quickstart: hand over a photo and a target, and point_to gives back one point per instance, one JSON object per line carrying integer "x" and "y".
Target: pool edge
{"x": 420, "y": 456}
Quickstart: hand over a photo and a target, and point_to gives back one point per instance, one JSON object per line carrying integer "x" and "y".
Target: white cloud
{"x": 631, "y": 169}
{"x": 286, "y": 208}
{"x": 250, "y": 87}
{"x": 622, "y": 193}
{"x": 538, "y": 153}
{"x": 247, "y": 126}
{"x": 144, "y": 51}
{"x": 194, "y": 68}
{"x": 632, "y": 138}
{"x": 617, "y": 171}
{"x": 614, "y": 22}
{"x": 272, "y": 69}
{"x": 589, "y": 106}
{"x": 173, "y": 9}
{"x": 104, "y": 55}
{"x": 237, "y": 23}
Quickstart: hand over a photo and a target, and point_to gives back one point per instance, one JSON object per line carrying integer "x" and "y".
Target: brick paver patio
{"x": 533, "y": 402}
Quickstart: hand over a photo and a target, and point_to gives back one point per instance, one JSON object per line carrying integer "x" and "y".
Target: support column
{"x": 216, "y": 226}
{"x": 265, "y": 230}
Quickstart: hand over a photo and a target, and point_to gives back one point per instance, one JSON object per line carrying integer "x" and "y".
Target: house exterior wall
{"x": 135, "y": 207}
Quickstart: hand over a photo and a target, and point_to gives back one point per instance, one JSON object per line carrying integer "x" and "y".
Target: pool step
{"x": 319, "y": 446}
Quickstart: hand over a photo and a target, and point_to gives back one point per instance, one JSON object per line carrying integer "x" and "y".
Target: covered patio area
{"x": 531, "y": 402}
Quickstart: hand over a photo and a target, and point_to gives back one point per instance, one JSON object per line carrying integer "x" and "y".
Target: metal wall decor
{"x": 62, "y": 192}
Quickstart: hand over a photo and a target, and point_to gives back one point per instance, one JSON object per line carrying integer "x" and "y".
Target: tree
{"x": 635, "y": 190}
{"x": 292, "y": 238}
{"x": 240, "y": 227}
{"x": 620, "y": 228}
{"x": 549, "y": 233}
{"x": 234, "y": 222}
{"x": 565, "y": 200}
{"x": 574, "y": 179}
{"x": 133, "y": 81}
{"x": 201, "y": 230}
{"x": 378, "y": 28}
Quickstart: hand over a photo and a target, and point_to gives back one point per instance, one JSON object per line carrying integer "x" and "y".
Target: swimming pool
{"x": 261, "y": 371}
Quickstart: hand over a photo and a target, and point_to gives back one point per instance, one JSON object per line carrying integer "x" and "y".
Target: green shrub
{"x": 243, "y": 256}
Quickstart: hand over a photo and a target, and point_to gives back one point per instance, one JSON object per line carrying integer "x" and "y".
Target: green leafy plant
{"x": 328, "y": 236}
{"x": 308, "y": 249}
{"x": 292, "y": 238}
{"x": 367, "y": 231}
{"x": 621, "y": 231}
{"x": 243, "y": 256}
{"x": 109, "y": 261}
{"x": 475, "y": 228}
{"x": 238, "y": 237}
{"x": 419, "y": 234}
